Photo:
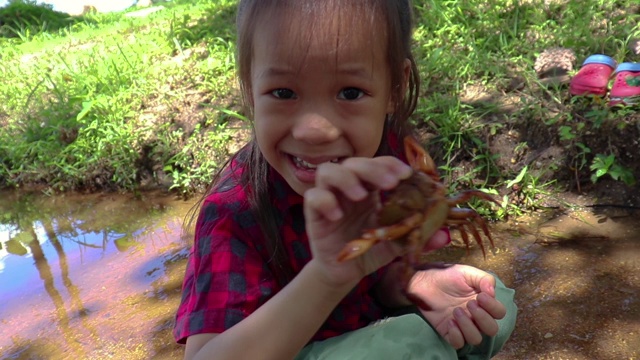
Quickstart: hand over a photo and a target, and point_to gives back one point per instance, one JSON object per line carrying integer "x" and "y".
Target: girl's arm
{"x": 280, "y": 328}
{"x": 335, "y": 210}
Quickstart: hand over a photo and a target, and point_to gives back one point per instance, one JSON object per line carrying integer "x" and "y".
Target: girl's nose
{"x": 315, "y": 128}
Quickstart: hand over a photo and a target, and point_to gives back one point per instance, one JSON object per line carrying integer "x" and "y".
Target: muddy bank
{"x": 111, "y": 287}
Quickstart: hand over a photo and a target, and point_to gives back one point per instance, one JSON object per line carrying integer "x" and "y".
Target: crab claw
{"x": 419, "y": 159}
{"x": 355, "y": 248}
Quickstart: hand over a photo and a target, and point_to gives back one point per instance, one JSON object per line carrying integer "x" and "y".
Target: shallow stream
{"x": 90, "y": 276}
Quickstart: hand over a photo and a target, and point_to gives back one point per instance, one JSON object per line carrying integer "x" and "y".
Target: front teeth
{"x": 301, "y": 163}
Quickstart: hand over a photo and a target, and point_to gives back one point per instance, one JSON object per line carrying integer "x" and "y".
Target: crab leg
{"x": 357, "y": 247}
{"x": 465, "y": 196}
{"x": 463, "y": 227}
{"x": 460, "y": 218}
{"x": 395, "y": 231}
{"x": 462, "y": 214}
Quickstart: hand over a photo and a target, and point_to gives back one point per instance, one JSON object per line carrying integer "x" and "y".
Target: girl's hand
{"x": 340, "y": 206}
{"x": 462, "y": 302}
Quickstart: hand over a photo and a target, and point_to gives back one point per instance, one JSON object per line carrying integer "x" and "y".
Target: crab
{"x": 417, "y": 208}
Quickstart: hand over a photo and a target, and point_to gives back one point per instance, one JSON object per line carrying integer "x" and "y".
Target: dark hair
{"x": 392, "y": 17}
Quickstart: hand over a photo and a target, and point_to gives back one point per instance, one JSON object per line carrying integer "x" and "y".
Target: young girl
{"x": 331, "y": 85}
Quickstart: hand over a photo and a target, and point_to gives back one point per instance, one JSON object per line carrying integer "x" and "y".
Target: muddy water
{"x": 99, "y": 276}
{"x": 89, "y": 277}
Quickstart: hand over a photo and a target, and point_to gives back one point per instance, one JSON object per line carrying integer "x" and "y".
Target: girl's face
{"x": 320, "y": 100}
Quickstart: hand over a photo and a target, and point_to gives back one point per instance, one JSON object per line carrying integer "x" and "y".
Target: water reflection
{"x": 34, "y": 230}
{"x": 64, "y": 260}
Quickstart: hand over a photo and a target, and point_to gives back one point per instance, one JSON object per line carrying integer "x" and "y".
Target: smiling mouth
{"x": 307, "y": 165}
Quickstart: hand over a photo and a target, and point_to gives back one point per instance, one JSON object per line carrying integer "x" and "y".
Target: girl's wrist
{"x": 321, "y": 278}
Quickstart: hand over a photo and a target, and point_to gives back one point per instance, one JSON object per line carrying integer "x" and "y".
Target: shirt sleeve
{"x": 226, "y": 277}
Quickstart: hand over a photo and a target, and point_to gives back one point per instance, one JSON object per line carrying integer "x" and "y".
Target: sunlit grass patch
{"x": 84, "y": 105}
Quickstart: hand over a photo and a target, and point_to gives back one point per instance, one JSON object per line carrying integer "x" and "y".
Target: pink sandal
{"x": 626, "y": 86}
{"x": 593, "y": 77}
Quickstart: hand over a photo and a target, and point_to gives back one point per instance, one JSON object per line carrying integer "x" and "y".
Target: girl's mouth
{"x": 302, "y": 164}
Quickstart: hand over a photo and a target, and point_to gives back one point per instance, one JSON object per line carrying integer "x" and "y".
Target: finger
{"x": 488, "y": 285}
{"x": 439, "y": 240}
{"x": 336, "y": 176}
{"x": 355, "y": 176}
{"x": 483, "y": 320}
{"x": 383, "y": 172}
{"x": 454, "y": 335}
{"x": 321, "y": 204}
{"x": 480, "y": 281}
{"x": 468, "y": 328}
{"x": 491, "y": 305}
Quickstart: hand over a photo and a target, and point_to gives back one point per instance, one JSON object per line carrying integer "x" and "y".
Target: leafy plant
{"x": 606, "y": 165}
{"x": 192, "y": 167}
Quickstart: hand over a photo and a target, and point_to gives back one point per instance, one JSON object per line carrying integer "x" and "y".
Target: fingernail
{"x": 406, "y": 171}
{"x": 458, "y": 313}
{"x": 388, "y": 181}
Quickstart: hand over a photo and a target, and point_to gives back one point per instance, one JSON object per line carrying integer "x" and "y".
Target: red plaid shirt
{"x": 227, "y": 276}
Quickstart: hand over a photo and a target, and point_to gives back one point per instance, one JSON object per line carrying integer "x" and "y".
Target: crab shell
{"x": 417, "y": 208}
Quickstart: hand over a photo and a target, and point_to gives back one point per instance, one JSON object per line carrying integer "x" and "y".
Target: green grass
{"x": 489, "y": 44}
{"x": 108, "y": 101}
{"x": 87, "y": 102}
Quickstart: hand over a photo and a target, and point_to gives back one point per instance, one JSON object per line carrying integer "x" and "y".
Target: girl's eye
{"x": 284, "y": 94}
{"x": 350, "y": 94}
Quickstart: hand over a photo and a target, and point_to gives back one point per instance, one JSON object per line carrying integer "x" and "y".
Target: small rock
{"x": 548, "y": 335}
{"x": 554, "y": 64}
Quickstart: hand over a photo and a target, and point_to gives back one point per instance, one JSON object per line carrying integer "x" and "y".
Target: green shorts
{"x": 411, "y": 337}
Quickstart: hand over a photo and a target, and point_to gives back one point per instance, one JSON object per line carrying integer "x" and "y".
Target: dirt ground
{"x": 577, "y": 279}
{"x": 575, "y": 263}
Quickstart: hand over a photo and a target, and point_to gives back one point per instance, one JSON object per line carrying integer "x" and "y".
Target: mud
{"x": 577, "y": 280}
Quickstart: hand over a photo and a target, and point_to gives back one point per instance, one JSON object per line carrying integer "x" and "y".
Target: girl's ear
{"x": 406, "y": 73}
